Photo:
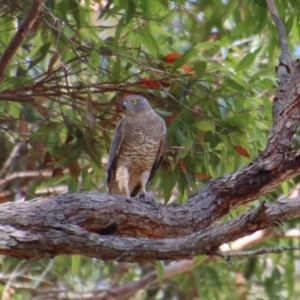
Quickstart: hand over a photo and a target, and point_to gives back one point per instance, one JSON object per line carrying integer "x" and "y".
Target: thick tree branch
{"x": 49, "y": 239}
{"x": 285, "y": 58}
{"x": 288, "y": 88}
{"x": 20, "y": 35}
{"x": 286, "y": 114}
{"x": 181, "y": 266}
{"x": 103, "y": 213}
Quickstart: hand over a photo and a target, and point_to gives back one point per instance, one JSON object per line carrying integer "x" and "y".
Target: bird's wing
{"x": 114, "y": 151}
{"x": 159, "y": 157}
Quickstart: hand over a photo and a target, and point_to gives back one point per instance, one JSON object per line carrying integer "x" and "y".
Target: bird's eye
{"x": 133, "y": 101}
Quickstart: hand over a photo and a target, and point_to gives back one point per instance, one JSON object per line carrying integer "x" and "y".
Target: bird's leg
{"x": 144, "y": 180}
{"x": 122, "y": 178}
{"x": 127, "y": 190}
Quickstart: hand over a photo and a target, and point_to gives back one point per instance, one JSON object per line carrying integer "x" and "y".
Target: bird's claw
{"x": 147, "y": 197}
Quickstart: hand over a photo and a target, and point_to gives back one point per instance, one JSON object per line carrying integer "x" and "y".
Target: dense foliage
{"x": 75, "y": 66}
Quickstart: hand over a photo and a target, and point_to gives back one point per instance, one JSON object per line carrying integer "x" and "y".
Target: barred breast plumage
{"x": 137, "y": 148}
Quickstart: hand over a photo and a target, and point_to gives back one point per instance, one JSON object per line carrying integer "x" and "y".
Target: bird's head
{"x": 135, "y": 104}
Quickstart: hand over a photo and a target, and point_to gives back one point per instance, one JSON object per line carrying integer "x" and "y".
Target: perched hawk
{"x": 137, "y": 148}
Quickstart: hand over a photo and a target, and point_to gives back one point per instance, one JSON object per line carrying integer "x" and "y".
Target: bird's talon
{"x": 147, "y": 197}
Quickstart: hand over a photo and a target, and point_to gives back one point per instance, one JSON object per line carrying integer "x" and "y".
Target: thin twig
{"x": 25, "y": 174}
{"x": 255, "y": 252}
{"x": 130, "y": 288}
{"x": 182, "y": 266}
{"x": 20, "y": 36}
{"x": 10, "y": 160}
{"x": 15, "y": 98}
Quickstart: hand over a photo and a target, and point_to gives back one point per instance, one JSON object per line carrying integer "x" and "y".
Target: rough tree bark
{"x": 115, "y": 228}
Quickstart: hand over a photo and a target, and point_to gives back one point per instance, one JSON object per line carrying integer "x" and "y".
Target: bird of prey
{"x": 137, "y": 148}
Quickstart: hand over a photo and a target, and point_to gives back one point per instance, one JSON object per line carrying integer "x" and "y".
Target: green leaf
{"x": 116, "y": 70}
{"x": 206, "y": 45}
{"x": 180, "y": 61}
{"x": 200, "y": 68}
{"x": 206, "y": 126}
{"x": 21, "y": 71}
{"x": 289, "y": 24}
{"x": 29, "y": 113}
{"x": 135, "y": 42}
{"x": 75, "y": 262}
{"x": 31, "y": 190}
{"x": 179, "y": 136}
{"x": 244, "y": 26}
{"x": 199, "y": 259}
{"x": 148, "y": 41}
{"x": 164, "y": 113}
{"x": 73, "y": 185}
{"x": 167, "y": 185}
{"x": 233, "y": 85}
{"x": 74, "y": 8}
{"x": 222, "y": 107}
{"x": 285, "y": 188}
{"x": 40, "y": 55}
{"x": 131, "y": 7}
{"x": 190, "y": 53}
{"x": 230, "y": 8}
{"x": 94, "y": 61}
{"x": 157, "y": 29}
{"x": 248, "y": 60}
{"x": 44, "y": 131}
{"x": 62, "y": 9}
{"x": 160, "y": 269}
{"x": 50, "y": 4}
{"x": 238, "y": 120}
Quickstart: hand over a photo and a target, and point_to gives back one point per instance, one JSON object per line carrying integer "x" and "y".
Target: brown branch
{"x": 19, "y": 148}
{"x": 179, "y": 267}
{"x": 126, "y": 217}
{"x": 255, "y": 252}
{"x": 16, "y": 98}
{"x": 285, "y": 58}
{"x": 143, "y": 283}
{"x": 20, "y": 35}
{"x": 277, "y": 141}
{"x": 286, "y": 114}
{"x": 52, "y": 235}
{"x": 121, "y": 216}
